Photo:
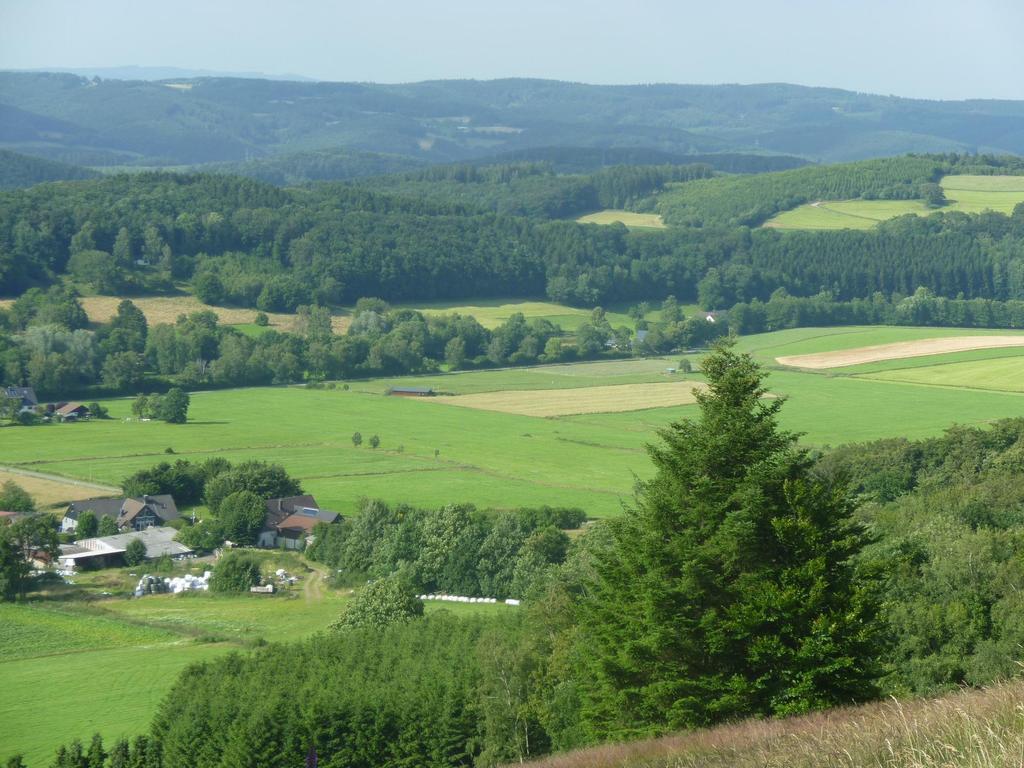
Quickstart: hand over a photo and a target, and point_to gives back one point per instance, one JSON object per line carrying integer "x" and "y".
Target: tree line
{"x": 244, "y": 243}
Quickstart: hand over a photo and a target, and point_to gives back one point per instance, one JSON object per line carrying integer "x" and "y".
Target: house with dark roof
{"x": 133, "y": 514}
{"x": 26, "y": 396}
{"x": 290, "y": 521}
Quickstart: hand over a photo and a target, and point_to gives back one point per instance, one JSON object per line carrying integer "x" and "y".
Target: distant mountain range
{"x": 188, "y": 120}
{"x": 132, "y": 72}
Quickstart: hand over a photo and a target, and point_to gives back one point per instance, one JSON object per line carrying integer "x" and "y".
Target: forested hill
{"x": 73, "y": 118}
{"x": 18, "y": 171}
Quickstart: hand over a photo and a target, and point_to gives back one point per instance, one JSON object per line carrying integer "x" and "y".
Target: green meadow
{"x": 629, "y": 218}
{"x": 431, "y": 454}
{"x": 74, "y": 664}
{"x": 491, "y": 313}
{"x": 966, "y": 194}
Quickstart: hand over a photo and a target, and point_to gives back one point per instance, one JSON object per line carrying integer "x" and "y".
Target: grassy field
{"x": 47, "y": 492}
{"x": 504, "y": 460}
{"x": 967, "y": 194}
{"x": 491, "y": 313}
{"x": 566, "y": 402}
{"x": 629, "y": 218}
{"x": 72, "y": 664}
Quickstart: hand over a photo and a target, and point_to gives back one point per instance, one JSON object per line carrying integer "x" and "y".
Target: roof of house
{"x": 26, "y": 394}
{"x": 306, "y": 519}
{"x": 279, "y": 509}
{"x": 99, "y": 507}
{"x": 412, "y": 391}
{"x": 163, "y": 505}
{"x": 68, "y": 408}
{"x": 158, "y": 541}
{"x": 125, "y": 509}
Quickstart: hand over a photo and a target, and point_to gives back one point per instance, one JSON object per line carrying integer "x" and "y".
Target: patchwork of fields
{"x": 571, "y": 449}
{"x": 967, "y": 194}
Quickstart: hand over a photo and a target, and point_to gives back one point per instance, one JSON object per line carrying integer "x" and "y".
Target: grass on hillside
{"x": 970, "y": 729}
{"x": 967, "y": 194}
{"x": 629, "y": 218}
{"x": 50, "y": 493}
{"x": 72, "y": 664}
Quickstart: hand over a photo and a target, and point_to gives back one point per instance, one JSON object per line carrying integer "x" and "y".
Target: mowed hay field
{"x": 166, "y": 309}
{"x": 967, "y": 194}
{"x": 899, "y": 351}
{"x": 49, "y": 492}
{"x": 564, "y": 402}
{"x": 629, "y": 218}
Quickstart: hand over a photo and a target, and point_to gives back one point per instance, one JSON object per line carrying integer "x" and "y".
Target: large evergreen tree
{"x": 729, "y": 589}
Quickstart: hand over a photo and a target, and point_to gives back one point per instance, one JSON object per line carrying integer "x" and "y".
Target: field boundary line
{"x": 59, "y": 479}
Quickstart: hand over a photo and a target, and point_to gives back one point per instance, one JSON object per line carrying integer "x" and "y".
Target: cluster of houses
{"x": 289, "y": 523}
{"x": 27, "y": 402}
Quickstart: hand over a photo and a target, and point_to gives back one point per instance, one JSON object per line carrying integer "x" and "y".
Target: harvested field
{"x": 899, "y": 350}
{"x": 48, "y": 492}
{"x": 165, "y": 309}
{"x": 566, "y": 402}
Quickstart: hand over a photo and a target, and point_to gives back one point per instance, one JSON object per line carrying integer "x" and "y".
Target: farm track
{"x": 59, "y": 479}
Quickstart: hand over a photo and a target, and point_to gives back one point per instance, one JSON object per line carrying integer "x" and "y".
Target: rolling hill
{"x": 223, "y": 119}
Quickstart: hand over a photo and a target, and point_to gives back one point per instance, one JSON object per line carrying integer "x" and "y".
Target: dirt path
{"x": 60, "y": 479}
{"x": 313, "y": 584}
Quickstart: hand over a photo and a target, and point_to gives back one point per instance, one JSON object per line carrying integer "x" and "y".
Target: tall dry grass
{"x": 970, "y": 729}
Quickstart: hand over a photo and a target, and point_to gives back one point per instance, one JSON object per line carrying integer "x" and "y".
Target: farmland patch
{"x": 564, "y": 402}
{"x": 898, "y": 350}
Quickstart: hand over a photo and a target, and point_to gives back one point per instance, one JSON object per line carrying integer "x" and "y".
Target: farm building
{"x": 411, "y": 392}
{"x": 106, "y": 551}
{"x": 71, "y": 411}
{"x": 135, "y": 514}
{"x": 291, "y": 520}
{"x": 26, "y": 397}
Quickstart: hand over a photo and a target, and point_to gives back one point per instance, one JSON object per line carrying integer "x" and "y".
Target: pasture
{"x": 629, "y": 218}
{"x": 430, "y": 455}
{"x": 546, "y": 403}
{"x": 966, "y": 194}
{"x": 900, "y": 350}
{"x": 49, "y": 492}
{"x": 71, "y": 667}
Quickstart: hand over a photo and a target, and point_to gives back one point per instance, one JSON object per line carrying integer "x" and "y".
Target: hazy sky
{"x": 948, "y": 49}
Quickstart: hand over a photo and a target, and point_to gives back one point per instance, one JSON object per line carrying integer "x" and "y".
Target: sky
{"x": 937, "y": 49}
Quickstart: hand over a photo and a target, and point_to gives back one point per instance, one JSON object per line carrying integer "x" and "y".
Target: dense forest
{"x": 457, "y": 232}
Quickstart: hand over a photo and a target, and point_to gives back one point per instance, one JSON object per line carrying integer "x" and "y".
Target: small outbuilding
{"x": 411, "y": 392}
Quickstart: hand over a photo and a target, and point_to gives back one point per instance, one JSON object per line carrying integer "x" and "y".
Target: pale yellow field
{"x": 898, "y": 351}
{"x": 47, "y": 492}
{"x": 165, "y": 309}
{"x": 629, "y": 218}
{"x": 566, "y": 402}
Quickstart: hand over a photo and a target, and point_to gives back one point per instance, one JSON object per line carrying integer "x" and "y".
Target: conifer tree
{"x": 729, "y": 589}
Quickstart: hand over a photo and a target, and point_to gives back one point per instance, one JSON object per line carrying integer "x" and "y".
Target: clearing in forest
{"x": 165, "y": 309}
{"x": 629, "y": 218}
{"x": 966, "y": 194}
{"x": 898, "y": 351}
{"x": 566, "y": 402}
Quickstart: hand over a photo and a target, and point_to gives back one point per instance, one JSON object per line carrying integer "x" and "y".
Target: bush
{"x": 235, "y": 572}
{"x": 383, "y": 602}
{"x": 135, "y": 552}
